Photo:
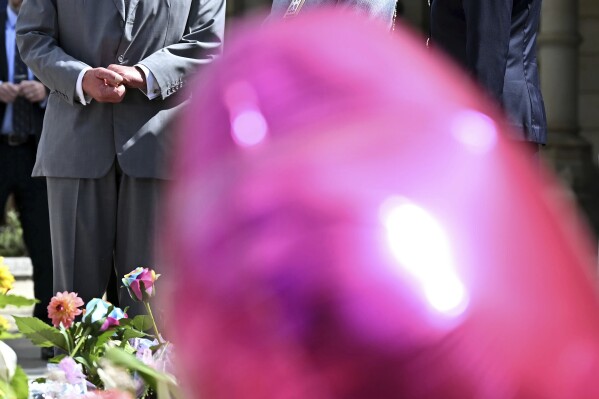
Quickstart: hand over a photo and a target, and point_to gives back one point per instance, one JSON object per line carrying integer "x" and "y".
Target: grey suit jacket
{"x": 58, "y": 38}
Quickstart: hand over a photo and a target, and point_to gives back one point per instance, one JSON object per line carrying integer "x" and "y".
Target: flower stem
{"x": 81, "y": 341}
{"x": 149, "y": 309}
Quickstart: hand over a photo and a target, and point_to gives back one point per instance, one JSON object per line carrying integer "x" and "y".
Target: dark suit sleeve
{"x": 488, "y": 24}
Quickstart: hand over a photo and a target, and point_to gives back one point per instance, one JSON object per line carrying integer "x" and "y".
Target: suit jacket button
{"x": 121, "y": 58}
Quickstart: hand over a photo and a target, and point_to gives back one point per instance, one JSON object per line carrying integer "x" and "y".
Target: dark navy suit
{"x": 30, "y": 196}
{"x": 495, "y": 40}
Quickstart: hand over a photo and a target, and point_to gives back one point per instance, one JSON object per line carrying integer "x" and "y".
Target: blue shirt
{"x": 11, "y": 20}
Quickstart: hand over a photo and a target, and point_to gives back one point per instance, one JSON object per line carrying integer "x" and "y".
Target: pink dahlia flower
{"x": 63, "y": 308}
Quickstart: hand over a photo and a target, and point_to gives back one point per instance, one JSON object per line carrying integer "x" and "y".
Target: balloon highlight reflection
{"x": 422, "y": 247}
{"x": 352, "y": 221}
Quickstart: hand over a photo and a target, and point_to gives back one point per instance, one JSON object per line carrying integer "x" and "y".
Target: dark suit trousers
{"x": 16, "y": 164}
{"x": 101, "y": 225}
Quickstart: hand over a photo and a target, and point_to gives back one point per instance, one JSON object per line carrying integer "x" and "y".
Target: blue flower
{"x": 97, "y": 310}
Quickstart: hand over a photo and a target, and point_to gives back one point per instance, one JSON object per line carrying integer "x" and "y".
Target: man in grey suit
{"x": 115, "y": 69}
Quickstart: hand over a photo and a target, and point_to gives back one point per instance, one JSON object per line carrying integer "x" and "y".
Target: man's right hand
{"x": 8, "y": 92}
{"x": 103, "y": 85}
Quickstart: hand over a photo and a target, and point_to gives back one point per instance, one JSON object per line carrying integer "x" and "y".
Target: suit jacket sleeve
{"x": 382, "y": 10}
{"x": 37, "y": 33}
{"x": 200, "y": 44}
{"x": 488, "y": 24}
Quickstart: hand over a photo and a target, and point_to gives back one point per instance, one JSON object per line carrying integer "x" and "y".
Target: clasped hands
{"x": 32, "y": 90}
{"x": 109, "y": 85}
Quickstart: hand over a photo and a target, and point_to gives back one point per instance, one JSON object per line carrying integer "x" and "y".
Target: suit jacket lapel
{"x": 3, "y": 60}
{"x": 120, "y": 5}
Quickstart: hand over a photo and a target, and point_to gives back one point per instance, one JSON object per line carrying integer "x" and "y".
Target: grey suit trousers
{"x": 98, "y": 224}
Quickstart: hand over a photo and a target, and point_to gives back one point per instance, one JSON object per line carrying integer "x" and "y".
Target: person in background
{"x": 116, "y": 70}
{"x": 495, "y": 41}
{"x": 22, "y": 103}
{"x": 381, "y": 10}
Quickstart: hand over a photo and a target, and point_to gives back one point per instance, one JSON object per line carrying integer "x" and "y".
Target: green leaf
{"x": 142, "y": 322}
{"x": 20, "y": 384}
{"x": 6, "y": 335}
{"x": 151, "y": 376}
{"x": 104, "y": 338}
{"x": 83, "y": 361}
{"x": 16, "y": 300}
{"x": 162, "y": 390}
{"x": 68, "y": 338}
{"x": 168, "y": 391}
{"x": 40, "y": 333}
{"x": 126, "y": 346}
{"x": 131, "y": 333}
{"x": 6, "y": 391}
{"x": 57, "y": 359}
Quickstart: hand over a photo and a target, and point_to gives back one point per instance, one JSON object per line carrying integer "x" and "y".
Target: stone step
{"x": 22, "y": 269}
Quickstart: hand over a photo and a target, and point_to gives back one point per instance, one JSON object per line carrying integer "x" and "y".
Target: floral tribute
{"x": 13, "y": 380}
{"x": 101, "y": 351}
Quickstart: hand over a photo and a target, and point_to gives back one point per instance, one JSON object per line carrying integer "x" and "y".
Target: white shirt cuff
{"x": 152, "y": 89}
{"x": 81, "y": 97}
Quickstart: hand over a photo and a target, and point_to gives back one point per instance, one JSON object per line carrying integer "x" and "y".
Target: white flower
{"x": 8, "y": 362}
{"x": 115, "y": 377}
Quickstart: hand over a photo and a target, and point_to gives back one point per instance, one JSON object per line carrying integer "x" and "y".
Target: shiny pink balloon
{"x": 351, "y": 221}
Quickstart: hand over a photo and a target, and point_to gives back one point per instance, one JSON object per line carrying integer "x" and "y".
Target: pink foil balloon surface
{"x": 351, "y": 221}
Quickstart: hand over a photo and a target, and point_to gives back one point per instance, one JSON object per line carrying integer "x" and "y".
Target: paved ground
{"x": 28, "y": 357}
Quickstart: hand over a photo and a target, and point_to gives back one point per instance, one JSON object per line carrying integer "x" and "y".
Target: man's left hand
{"x": 133, "y": 77}
{"x": 32, "y": 90}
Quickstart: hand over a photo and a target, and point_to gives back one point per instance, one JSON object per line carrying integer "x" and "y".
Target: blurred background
{"x": 569, "y": 67}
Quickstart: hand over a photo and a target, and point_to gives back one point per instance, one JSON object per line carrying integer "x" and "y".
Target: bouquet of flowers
{"x": 104, "y": 349}
{"x": 13, "y": 381}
